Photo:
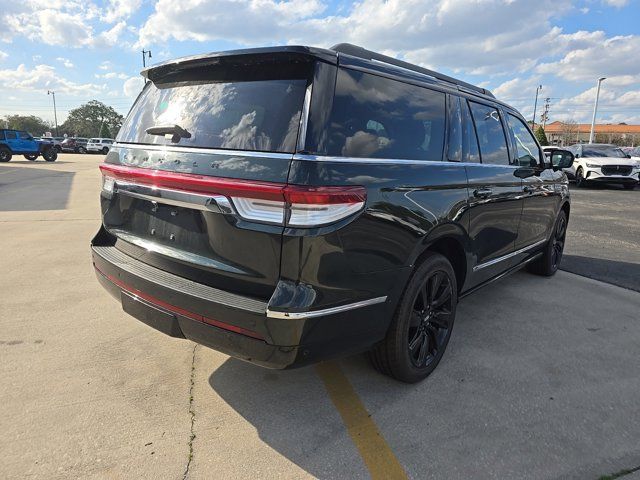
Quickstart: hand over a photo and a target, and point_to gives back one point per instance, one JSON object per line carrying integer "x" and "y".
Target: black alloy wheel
{"x": 5, "y": 154}
{"x": 580, "y": 180}
{"x": 430, "y": 319}
{"x": 422, "y": 325}
{"x": 105, "y": 150}
{"x": 548, "y": 264}
{"x": 50, "y": 154}
{"x": 557, "y": 241}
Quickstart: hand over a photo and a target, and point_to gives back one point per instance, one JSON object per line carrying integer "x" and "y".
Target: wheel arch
{"x": 451, "y": 241}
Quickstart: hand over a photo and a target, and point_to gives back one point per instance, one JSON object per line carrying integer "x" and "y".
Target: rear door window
{"x": 11, "y": 135}
{"x": 491, "y": 137}
{"x": 262, "y": 115}
{"x": 377, "y": 117}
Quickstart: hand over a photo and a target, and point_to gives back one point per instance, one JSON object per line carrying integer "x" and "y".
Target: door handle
{"x": 482, "y": 192}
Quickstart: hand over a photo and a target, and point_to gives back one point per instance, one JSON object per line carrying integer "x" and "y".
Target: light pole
{"x": 535, "y": 107}
{"x": 55, "y": 114}
{"x": 145, "y": 53}
{"x": 595, "y": 109}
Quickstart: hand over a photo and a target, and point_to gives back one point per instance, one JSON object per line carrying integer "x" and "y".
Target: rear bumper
{"x": 239, "y": 326}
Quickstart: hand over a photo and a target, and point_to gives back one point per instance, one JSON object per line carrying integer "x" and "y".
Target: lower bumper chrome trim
{"x": 325, "y": 311}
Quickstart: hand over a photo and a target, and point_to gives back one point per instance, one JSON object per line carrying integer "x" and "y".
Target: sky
{"x": 90, "y": 49}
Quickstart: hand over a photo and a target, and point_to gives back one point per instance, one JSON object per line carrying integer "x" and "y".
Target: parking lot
{"x": 540, "y": 380}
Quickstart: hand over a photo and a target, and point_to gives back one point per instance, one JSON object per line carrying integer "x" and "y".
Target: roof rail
{"x": 356, "y": 51}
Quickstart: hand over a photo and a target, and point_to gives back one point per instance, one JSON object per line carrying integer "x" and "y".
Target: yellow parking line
{"x": 373, "y": 448}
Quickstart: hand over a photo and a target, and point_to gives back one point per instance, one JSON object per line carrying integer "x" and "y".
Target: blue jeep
{"x": 19, "y": 142}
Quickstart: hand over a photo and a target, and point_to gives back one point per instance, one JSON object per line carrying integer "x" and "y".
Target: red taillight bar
{"x": 180, "y": 311}
{"x": 204, "y": 184}
{"x": 196, "y": 183}
{"x": 324, "y": 195}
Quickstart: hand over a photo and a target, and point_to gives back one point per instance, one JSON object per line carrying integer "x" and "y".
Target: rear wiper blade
{"x": 176, "y": 131}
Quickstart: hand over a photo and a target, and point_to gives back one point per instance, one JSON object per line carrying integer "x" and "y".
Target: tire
{"x": 547, "y": 265}
{"x": 629, "y": 186}
{"x": 105, "y": 150}
{"x": 50, "y": 154}
{"x": 31, "y": 158}
{"x": 82, "y": 150}
{"x": 58, "y": 148}
{"x": 421, "y": 326}
{"x": 581, "y": 182}
{"x": 5, "y": 154}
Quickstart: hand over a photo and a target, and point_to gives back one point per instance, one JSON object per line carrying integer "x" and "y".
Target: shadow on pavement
{"x": 532, "y": 383}
{"x": 28, "y": 189}
{"x": 622, "y": 274}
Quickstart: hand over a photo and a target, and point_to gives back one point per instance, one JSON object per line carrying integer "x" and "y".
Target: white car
{"x": 101, "y": 145}
{"x": 599, "y": 162}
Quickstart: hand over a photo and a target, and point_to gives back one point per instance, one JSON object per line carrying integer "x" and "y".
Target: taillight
{"x": 266, "y": 202}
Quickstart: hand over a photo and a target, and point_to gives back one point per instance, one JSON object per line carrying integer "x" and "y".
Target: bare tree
{"x": 569, "y": 132}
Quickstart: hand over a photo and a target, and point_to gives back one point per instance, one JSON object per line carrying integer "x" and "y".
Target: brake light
{"x": 267, "y": 202}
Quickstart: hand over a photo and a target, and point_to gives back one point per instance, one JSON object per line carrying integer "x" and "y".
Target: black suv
{"x": 287, "y": 205}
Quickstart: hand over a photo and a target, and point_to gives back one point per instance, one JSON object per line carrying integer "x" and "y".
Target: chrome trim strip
{"x": 201, "y": 150}
{"x": 174, "y": 252}
{"x": 304, "y": 118}
{"x": 392, "y": 161}
{"x": 207, "y": 203}
{"x": 325, "y": 311}
{"x": 508, "y": 255}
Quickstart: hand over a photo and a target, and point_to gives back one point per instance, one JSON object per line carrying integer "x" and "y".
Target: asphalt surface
{"x": 540, "y": 380}
{"x": 603, "y": 240}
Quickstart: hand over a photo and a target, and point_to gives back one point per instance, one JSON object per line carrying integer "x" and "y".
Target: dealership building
{"x": 560, "y": 133}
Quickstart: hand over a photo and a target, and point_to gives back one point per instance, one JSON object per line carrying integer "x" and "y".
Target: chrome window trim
{"x": 325, "y": 311}
{"x": 304, "y": 118}
{"x": 201, "y": 150}
{"x": 508, "y": 255}
{"x": 393, "y": 161}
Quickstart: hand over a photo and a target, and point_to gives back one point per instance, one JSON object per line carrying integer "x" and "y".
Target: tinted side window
{"x": 493, "y": 143}
{"x": 470, "y": 152}
{"x": 528, "y": 153}
{"x": 382, "y": 118}
{"x": 24, "y": 136}
{"x": 10, "y": 135}
{"x": 454, "y": 149}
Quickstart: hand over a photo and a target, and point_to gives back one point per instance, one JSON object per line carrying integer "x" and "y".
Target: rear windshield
{"x": 261, "y": 115}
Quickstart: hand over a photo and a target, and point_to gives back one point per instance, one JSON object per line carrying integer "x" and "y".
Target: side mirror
{"x": 628, "y": 156}
{"x": 561, "y": 159}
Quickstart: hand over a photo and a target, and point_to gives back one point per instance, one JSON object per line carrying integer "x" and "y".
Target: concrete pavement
{"x": 540, "y": 379}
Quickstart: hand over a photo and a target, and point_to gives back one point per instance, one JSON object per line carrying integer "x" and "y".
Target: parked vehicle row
{"x": 19, "y": 142}
{"x": 603, "y": 163}
{"x": 319, "y": 203}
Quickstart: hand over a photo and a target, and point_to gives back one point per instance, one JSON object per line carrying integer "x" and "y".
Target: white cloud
{"x": 617, "y": 3}
{"x": 3, "y": 55}
{"x": 120, "y": 9}
{"x": 112, "y": 75}
{"x": 65, "y": 61}
{"x": 42, "y": 78}
{"x": 132, "y": 86}
{"x": 70, "y": 23}
{"x": 243, "y": 21}
{"x": 596, "y": 56}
